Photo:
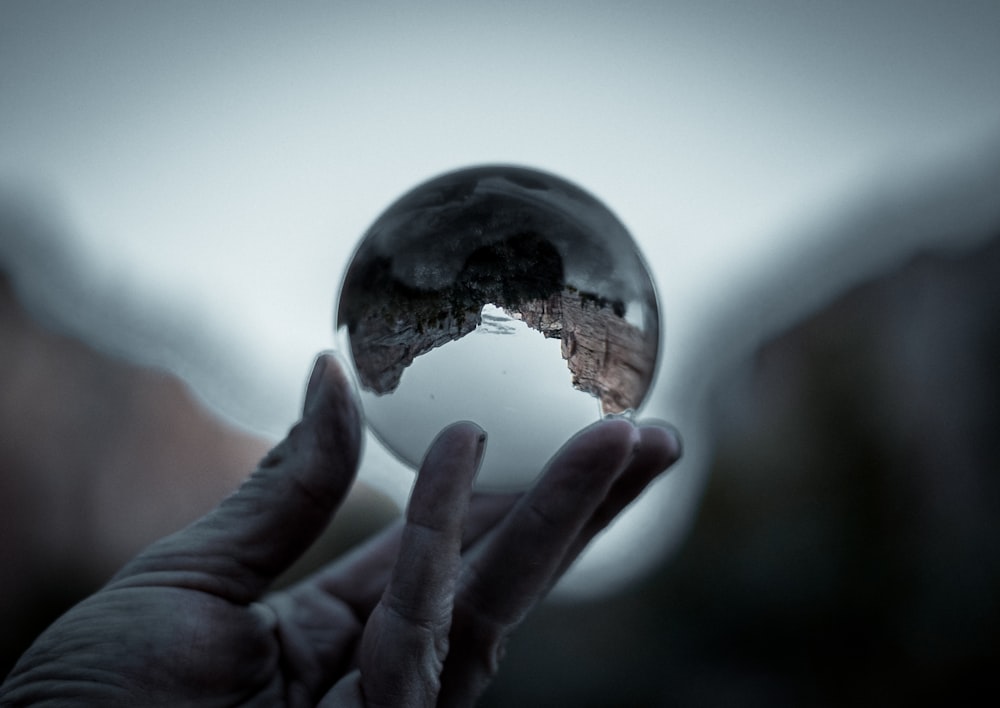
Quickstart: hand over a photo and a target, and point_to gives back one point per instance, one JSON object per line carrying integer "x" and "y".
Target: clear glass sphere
{"x": 501, "y": 295}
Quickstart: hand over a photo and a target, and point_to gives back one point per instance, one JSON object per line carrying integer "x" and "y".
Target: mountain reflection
{"x": 391, "y": 324}
{"x": 493, "y": 320}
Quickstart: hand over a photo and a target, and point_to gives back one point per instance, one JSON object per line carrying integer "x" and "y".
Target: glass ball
{"x": 501, "y": 295}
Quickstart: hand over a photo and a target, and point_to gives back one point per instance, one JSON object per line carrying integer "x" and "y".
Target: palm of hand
{"x": 166, "y": 645}
{"x": 417, "y": 616}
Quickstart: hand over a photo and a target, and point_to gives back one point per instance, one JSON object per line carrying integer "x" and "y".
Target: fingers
{"x": 659, "y": 448}
{"x": 256, "y": 533}
{"x": 405, "y": 640}
{"x": 360, "y": 577}
{"x": 325, "y": 613}
{"x": 514, "y": 567}
{"x": 509, "y": 572}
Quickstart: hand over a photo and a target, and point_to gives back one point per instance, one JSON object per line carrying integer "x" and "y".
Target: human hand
{"x": 418, "y": 616}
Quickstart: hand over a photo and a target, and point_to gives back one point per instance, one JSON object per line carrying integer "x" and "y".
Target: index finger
{"x": 406, "y": 637}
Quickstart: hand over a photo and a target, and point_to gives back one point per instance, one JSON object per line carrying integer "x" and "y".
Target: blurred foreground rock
{"x": 847, "y": 551}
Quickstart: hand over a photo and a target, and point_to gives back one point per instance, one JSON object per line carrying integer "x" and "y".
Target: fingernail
{"x": 677, "y": 447}
{"x": 315, "y": 379}
{"x": 480, "y": 449}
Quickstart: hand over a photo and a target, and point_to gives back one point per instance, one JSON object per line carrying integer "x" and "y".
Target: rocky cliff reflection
{"x": 495, "y": 251}
{"x": 393, "y": 324}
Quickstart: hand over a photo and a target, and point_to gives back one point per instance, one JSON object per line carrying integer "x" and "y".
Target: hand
{"x": 418, "y": 616}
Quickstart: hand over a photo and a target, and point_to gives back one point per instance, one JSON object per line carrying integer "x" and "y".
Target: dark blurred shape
{"x": 848, "y": 550}
{"x": 101, "y": 457}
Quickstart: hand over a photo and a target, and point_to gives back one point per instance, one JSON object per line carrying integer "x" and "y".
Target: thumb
{"x": 241, "y": 546}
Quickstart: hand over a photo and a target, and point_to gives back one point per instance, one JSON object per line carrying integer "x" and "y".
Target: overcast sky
{"x": 211, "y": 166}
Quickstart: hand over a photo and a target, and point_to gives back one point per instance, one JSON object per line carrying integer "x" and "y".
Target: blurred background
{"x": 814, "y": 186}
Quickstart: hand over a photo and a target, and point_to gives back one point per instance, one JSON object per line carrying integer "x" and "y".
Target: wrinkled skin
{"x": 418, "y": 616}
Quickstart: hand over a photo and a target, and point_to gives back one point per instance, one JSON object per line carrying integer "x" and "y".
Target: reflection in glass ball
{"x": 501, "y": 295}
